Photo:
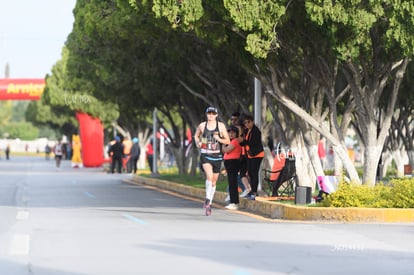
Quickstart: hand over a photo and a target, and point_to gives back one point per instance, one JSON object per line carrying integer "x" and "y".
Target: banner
{"x": 21, "y": 88}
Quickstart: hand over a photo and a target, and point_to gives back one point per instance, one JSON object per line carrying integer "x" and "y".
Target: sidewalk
{"x": 276, "y": 210}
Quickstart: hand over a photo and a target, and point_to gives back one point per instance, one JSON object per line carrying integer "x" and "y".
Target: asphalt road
{"x": 85, "y": 221}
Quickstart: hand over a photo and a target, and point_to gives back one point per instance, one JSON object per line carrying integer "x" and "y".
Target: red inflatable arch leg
{"x": 92, "y": 139}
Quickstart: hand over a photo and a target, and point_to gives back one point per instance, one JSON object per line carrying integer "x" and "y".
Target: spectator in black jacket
{"x": 116, "y": 151}
{"x": 252, "y": 142}
{"x": 135, "y": 152}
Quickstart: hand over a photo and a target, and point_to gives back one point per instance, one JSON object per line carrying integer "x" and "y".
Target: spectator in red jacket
{"x": 150, "y": 155}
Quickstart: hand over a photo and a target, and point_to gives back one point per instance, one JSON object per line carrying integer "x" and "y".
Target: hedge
{"x": 398, "y": 193}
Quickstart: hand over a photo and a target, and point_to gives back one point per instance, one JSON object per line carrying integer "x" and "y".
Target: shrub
{"x": 403, "y": 195}
{"x": 399, "y": 193}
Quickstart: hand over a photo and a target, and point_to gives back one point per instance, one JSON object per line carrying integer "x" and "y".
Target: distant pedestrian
{"x": 76, "y": 160}
{"x": 321, "y": 151}
{"x": 209, "y": 137}
{"x": 7, "y": 151}
{"x": 135, "y": 153}
{"x": 58, "y": 151}
{"x": 47, "y": 152}
{"x": 126, "y": 159}
{"x": 68, "y": 150}
{"x": 116, "y": 151}
{"x": 149, "y": 153}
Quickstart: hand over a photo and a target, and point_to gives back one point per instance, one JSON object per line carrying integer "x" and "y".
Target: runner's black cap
{"x": 211, "y": 110}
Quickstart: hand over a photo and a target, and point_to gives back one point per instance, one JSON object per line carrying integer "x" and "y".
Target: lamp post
{"x": 154, "y": 144}
{"x": 258, "y": 113}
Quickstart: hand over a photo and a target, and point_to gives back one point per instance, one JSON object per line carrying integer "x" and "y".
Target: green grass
{"x": 171, "y": 174}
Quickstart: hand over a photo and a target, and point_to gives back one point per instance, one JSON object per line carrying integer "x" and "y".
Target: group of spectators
{"x": 239, "y": 145}
{"x": 119, "y": 154}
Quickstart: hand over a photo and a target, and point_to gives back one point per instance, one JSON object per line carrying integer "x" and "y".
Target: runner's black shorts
{"x": 214, "y": 160}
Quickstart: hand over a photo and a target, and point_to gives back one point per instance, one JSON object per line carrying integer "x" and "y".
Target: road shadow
{"x": 15, "y": 268}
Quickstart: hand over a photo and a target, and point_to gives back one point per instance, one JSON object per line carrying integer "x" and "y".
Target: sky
{"x": 32, "y": 35}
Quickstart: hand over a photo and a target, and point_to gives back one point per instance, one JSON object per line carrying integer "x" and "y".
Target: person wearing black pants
{"x": 253, "y": 167}
{"x": 252, "y": 142}
{"x": 150, "y": 156}
{"x": 231, "y": 158}
{"x": 135, "y": 153}
{"x": 116, "y": 151}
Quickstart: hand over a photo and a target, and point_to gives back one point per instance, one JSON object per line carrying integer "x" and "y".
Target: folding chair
{"x": 282, "y": 179}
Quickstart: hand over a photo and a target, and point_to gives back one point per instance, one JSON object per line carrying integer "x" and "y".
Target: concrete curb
{"x": 277, "y": 210}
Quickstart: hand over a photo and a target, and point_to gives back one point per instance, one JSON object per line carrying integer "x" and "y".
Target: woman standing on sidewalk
{"x": 209, "y": 137}
{"x": 252, "y": 143}
{"x": 231, "y": 158}
{"x": 244, "y": 179}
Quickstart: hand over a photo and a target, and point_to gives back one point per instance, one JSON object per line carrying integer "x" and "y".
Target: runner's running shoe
{"x": 206, "y": 202}
{"x": 208, "y": 210}
{"x": 232, "y": 206}
{"x": 244, "y": 194}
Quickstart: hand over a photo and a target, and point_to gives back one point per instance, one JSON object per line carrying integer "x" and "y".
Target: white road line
{"x": 20, "y": 244}
{"x": 134, "y": 219}
{"x": 22, "y": 215}
{"x": 89, "y": 195}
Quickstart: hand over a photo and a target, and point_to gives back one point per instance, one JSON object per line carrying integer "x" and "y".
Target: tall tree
{"x": 401, "y": 132}
{"x": 129, "y": 57}
{"x": 59, "y": 104}
{"x": 373, "y": 41}
{"x": 370, "y": 40}
{"x": 6, "y": 112}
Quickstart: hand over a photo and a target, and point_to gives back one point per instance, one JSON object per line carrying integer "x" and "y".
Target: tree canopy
{"x": 324, "y": 65}
{"x": 369, "y": 42}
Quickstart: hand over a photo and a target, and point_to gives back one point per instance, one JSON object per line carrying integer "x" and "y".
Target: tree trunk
{"x": 194, "y": 161}
{"x": 396, "y": 156}
{"x": 304, "y": 168}
{"x": 372, "y": 153}
{"x": 337, "y": 146}
{"x": 372, "y": 165}
{"x": 372, "y": 123}
{"x": 312, "y": 151}
{"x": 410, "y": 154}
